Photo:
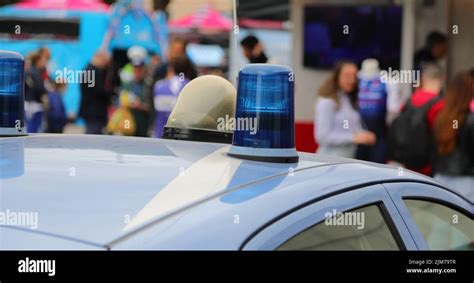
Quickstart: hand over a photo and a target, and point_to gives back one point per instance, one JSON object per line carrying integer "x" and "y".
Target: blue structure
{"x": 96, "y": 30}
{"x": 131, "y": 25}
{"x": 71, "y": 54}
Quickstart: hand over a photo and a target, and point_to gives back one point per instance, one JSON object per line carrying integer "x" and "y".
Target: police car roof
{"x": 99, "y": 190}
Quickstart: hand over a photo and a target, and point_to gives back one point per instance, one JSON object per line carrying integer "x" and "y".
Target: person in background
{"x": 177, "y": 49}
{"x": 139, "y": 96}
{"x": 394, "y": 101}
{"x": 454, "y": 136}
{"x": 134, "y": 54}
{"x": 36, "y": 94}
{"x": 377, "y": 102}
{"x": 338, "y": 126}
{"x": 166, "y": 93}
{"x": 155, "y": 62}
{"x": 46, "y": 53}
{"x": 56, "y": 114}
{"x": 253, "y": 50}
{"x": 436, "y": 47}
{"x": 429, "y": 90}
{"x": 96, "y": 100}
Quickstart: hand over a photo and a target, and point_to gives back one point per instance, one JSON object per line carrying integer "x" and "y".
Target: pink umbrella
{"x": 205, "y": 19}
{"x": 82, "y": 5}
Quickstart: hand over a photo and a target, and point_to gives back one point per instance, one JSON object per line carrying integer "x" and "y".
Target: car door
{"x": 436, "y": 218}
{"x": 360, "y": 219}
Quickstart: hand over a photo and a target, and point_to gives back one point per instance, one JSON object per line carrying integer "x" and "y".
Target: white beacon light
{"x": 200, "y": 109}
{"x": 12, "y": 97}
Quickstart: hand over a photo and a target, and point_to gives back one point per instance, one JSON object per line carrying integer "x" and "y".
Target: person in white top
{"x": 338, "y": 126}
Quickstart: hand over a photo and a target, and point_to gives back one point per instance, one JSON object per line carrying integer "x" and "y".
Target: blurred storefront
{"x": 206, "y": 30}
{"x": 72, "y": 30}
{"x": 181, "y": 8}
{"x": 75, "y": 29}
{"x": 417, "y": 18}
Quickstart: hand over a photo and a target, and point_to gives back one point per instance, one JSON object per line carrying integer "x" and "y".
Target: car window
{"x": 361, "y": 229}
{"x": 442, "y": 228}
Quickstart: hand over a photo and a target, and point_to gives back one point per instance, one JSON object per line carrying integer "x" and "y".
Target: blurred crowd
{"x": 138, "y": 99}
{"x": 359, "y": 115}
{"x": 44, "y": 108}
{"x": 134, "y": 100}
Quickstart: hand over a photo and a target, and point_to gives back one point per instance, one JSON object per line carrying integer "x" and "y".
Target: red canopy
{"x": 83, "y": 5}
{"x": 206, "y": 18}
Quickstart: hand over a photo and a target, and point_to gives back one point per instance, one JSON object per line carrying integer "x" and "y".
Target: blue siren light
{"x": 12, "y": 97}
{"x": 264, "y": 124}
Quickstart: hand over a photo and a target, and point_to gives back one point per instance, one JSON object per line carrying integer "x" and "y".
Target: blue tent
{"x": 73, "y": 36}
{"x": 131, "y": 25}
{"x": 71, "y": 52}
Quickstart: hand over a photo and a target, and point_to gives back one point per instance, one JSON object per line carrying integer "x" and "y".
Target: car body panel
{"x": 211, "y": 225}
{"x": 12, "y": 238}
{"x": 400, "y": 191}
{"x": 274, "y": 235}
{"x": 121, "y": 192}
{"x": 91, "y": 187}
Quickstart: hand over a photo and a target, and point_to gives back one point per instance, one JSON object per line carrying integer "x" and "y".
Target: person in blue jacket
{"x": 377, "y": 100}
{"x": 56, "y": 113}
{"x": 166, "y": 92}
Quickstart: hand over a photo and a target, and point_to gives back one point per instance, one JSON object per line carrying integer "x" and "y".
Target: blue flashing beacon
{"x": 264, "y": 125}
{"x": 12, "y": 97}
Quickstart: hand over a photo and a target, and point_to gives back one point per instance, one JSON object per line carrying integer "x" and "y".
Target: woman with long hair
{"x": 454, "y": 136}
{"x": 338, "y": 126}
{"x": 36, "y": 93}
